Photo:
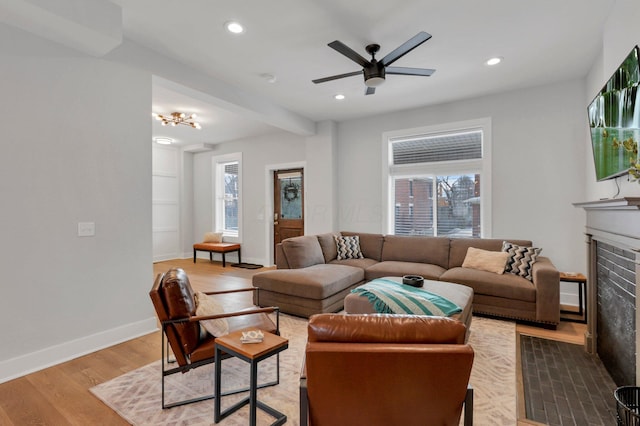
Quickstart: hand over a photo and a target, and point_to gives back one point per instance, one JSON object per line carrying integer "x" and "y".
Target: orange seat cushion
{"x": 217, "y": 247}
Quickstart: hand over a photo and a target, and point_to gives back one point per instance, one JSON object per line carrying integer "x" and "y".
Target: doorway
{"x": 288, "y": 204}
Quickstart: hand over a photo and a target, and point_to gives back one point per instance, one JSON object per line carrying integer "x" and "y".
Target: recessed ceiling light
{"x": 234, "y": 27}
{"x": 339, "y": 97}
{"x": 164, "y": 141}
{"x": 493, "y": 61}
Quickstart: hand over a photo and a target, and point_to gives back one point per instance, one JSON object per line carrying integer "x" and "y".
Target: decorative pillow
{"x": 521, "y": 259}
{"x": 206, "y": 305}
{"x": 212, "y": 237}
{"x": 485, "y": 260}
{"x": 348, "y": 247}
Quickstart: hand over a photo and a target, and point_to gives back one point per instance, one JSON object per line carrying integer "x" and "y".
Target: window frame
{"x": 218, "y": 165}
{"x": 481, "y": 166}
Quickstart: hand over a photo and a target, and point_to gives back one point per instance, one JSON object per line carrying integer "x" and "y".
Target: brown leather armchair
{"x": 386, "y": 370}
{"x": 173, "y": 299}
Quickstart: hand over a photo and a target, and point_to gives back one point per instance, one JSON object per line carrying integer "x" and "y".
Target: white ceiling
{"x": 541, "y": 41}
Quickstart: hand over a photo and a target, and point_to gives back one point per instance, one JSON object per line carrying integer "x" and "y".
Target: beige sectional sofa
{"x": 309, "y": 279}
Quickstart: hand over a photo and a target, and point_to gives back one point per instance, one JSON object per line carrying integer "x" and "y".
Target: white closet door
{"x": 165, "y": 203}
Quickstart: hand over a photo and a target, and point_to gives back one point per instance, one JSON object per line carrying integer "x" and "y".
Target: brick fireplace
{"x": 613, "y": 250}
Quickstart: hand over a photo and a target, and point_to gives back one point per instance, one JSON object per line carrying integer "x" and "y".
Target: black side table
{"x": 581, "y": 280}
{"x": 252, "y": 353}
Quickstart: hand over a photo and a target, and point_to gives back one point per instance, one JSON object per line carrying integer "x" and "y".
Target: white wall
{"x": 537, "y": 157}
{"x": 165, "y": 201}
{"x": 621, "y": 34}
{"x": 75, "y": 148}
{"x": 321, "y": 180}
{"x": 257, "y": 153}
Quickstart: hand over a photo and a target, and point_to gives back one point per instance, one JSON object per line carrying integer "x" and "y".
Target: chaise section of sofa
{"x": 304, "y": 284}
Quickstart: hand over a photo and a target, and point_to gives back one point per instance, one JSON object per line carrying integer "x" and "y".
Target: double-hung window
{"x": 227, "y": 194}
{"x": 439, "y": 180}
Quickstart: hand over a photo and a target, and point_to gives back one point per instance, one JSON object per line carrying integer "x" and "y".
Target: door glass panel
{"x": 290, "y": 195}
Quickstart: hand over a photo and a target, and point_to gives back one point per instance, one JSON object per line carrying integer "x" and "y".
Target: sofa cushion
{"x": 398, "y": 269}
{"x": 302, "y": 251}
{"x": 314, "y": 282}
{"x": 507, "y": 286}
{"x": 328, "y": 245}
{"x": 348, "y": 247}
{"x": 370, "y": 244}
{"x": 485, "y": 260}
{"x": 434, "y": 250}
{"x": 521, "y": 259}
{"x": 459, "y": 246}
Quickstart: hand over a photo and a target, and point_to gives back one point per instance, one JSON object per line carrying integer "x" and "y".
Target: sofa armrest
{"x": 281, "y": 259}
{"x": 546, "y": 278}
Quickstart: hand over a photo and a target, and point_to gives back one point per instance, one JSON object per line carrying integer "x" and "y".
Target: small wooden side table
{"x": 252, "y": 353}
{"x": 582, "y": 295}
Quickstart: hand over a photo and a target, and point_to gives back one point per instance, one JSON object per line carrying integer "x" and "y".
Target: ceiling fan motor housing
{"x": 375, "y": 74}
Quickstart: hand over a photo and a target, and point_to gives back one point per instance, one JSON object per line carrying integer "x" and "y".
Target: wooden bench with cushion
{"x": 217, "y": 248}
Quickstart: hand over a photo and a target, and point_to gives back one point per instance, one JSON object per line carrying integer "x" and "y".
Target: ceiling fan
{"x": 374, "y": 71}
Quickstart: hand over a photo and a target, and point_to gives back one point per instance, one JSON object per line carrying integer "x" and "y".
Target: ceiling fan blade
{"x": 349, "y": 53}
{"x": 335, "y": 77}
{"x": 406, "y": 47}
{"x": 370, "y": 91}
{"x": 410, "y": 71}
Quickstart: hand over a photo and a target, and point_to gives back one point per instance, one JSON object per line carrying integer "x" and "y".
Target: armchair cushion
{"x": 209, "y": 306}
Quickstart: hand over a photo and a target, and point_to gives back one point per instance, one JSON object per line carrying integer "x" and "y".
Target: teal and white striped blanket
{"x": 391, "y": 297}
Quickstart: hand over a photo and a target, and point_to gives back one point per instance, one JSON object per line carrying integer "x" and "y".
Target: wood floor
{"x": 60, "y": 395}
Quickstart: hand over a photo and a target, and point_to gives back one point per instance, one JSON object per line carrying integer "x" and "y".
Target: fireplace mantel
{"x": 614, "y": 222}
{"x": 626, "y": 203}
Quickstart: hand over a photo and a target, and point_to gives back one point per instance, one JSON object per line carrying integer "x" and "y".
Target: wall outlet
{"x": 86, "y": 229}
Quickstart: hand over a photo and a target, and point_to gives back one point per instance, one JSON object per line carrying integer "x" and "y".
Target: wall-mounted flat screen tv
{"x": 614, "y": 120}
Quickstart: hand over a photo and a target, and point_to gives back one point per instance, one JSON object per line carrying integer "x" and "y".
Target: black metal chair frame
{"x": 166, "y": 350}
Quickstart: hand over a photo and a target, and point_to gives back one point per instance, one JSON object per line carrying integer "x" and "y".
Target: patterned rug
{"x": 136, "y": 395}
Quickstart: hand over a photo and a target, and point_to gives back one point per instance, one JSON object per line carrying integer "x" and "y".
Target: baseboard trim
{"x": 53, "y": 355}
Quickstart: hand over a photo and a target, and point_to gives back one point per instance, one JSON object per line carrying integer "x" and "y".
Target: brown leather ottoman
{"x": 459, "y": 294}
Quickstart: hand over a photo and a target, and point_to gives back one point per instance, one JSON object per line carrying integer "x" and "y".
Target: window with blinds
{"x": 438, "y": 148}
{"x": 436, "y": 181}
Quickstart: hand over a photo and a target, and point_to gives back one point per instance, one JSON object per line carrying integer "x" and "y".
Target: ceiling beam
{"x": 179, "y": 77}
{"x": 93, "y": 27}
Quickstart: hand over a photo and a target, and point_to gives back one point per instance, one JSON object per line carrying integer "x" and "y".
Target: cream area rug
{"x": 136, "y": 395}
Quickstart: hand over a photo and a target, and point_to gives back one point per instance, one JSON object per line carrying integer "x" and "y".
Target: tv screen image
{"x": 614, "y": 120}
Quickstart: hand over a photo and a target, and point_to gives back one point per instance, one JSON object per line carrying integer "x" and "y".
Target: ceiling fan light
{"x": 374, "y": 81}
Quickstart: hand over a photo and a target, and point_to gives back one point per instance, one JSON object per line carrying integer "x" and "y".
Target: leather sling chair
{"x": 174, "y": 302}
{"x": 382, "y": 369}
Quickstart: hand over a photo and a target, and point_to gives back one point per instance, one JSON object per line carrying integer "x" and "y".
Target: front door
{"x": 288, "y": 202}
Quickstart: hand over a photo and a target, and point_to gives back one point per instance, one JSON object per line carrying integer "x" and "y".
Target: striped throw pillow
{"x": 348, "y": 247}
{"x": 521, "y": 259}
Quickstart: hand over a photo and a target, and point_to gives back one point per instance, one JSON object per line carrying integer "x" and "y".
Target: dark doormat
{"x": 246, "y": 265}
{"x": 564, "y": 385}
